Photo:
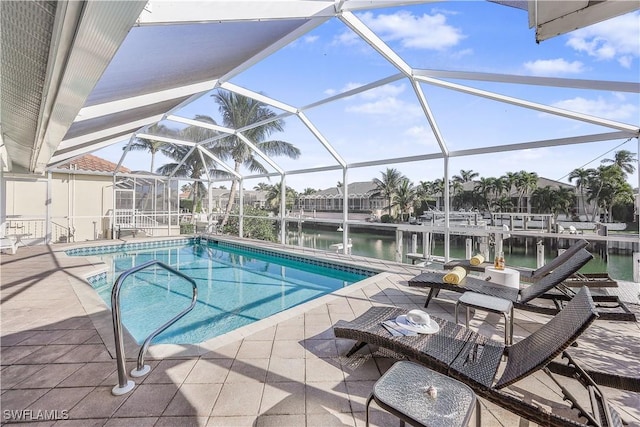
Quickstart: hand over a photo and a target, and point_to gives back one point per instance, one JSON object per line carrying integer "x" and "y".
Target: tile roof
{"x": 89, "y": 162}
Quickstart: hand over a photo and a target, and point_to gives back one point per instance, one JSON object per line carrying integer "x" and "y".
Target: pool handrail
{"x": 124, "y": 384}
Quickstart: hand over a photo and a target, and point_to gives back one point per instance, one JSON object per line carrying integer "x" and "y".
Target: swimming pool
{"x": 237, "y": 285}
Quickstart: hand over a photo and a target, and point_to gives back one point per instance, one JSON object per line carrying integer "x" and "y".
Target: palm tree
{"x": 624, "y": 160}
{"x": 605, "y": 188}
{"x": 582, "y": 179}
{"x": 262, "y": 186}
{"x": 192, "y": 166}
{"x": 468, "y": 175}
{"x": 503, "y": 204}
{"x": 388, "y": 185}
{"x": 509, "y": 179}
{"x": 525, "y": 183}
{"x": 484, "y": 187}
{"x": 273, "y": 196}
{"x": 455, "y": 188}
{"x": 241, "y": 112}
{"x": 405, "y": 195}
{"x": 151, "y": 145}
{"x": 309, "y": 191}
{"x": 553, "y": 200}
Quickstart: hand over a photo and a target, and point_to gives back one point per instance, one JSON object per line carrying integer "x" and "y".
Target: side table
{"x": 507, "y": 277}
{"x": 402, "y": 391}
{"x": 491, "y": 304}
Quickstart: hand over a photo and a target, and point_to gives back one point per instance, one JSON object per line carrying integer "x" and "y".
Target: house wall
{"x": 77, "y": 202}
{"x": 80, "y": 210}
{"x": 82, "y": 203}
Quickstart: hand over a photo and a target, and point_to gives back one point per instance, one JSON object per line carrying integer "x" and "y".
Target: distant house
{"x": 513, "y": 193}
{"x": 362, "y": 197}
{"x": 220, "y": 199}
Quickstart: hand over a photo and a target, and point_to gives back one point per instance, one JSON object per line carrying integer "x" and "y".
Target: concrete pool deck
{"x": 289, "y": 370}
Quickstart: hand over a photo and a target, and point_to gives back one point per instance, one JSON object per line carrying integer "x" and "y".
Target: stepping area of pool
{"x": 57, "y": 357}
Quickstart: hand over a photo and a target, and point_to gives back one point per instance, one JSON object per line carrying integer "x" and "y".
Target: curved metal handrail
{"x": 124, "y": 384}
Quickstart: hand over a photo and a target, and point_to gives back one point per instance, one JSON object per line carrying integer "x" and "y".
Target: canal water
{"x": 517, "y": 253}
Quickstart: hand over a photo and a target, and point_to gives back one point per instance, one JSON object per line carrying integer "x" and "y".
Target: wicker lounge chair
{"x": 473, "y": 359}
{"x": 526, "y": 274}
{"x": 548, "y": 287}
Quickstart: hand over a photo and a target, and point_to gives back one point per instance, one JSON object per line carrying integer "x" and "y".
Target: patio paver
{"x": 56, "y": 355}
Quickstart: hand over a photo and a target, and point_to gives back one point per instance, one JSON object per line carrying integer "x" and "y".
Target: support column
{"x": 3, "y": 198}
{"x": 241, "y": 210}
{"x": 398, "y": 245}
{"x": 345, "y": 212}
{"x": 168, "y": 185}
{"x": 426, "y": 245}
{"x": 113, "y": 209}
{"x": 447, "y": 211}
{"x": 468, "y": 248}
{"x": 47, "y": 223}
{"x": 283, "y": 207}
{"x": 539, "y": 254}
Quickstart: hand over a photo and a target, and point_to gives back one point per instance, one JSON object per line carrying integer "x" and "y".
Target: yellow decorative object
{"x": 455, "y": 276}
{"x": 476, "y": 260}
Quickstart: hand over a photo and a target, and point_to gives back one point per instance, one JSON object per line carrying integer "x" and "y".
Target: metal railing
{"x": 124, "y": 384}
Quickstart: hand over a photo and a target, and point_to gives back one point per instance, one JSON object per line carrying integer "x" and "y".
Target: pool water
{"x": 236, "y": 287}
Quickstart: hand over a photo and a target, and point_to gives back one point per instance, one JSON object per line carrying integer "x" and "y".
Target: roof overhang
{"x": 552, "y": 18}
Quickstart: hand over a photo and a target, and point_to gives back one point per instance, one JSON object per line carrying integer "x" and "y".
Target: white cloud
{"x": 553, "y": 67}
{"x": 415, "y": 32}
{"x": 616, "y": 110}
{"x": 310, "y": 39}
{"x": 617, "y": 38}
{"x": 347, "y": 38}
{"x": 421, "y": 135}
{"x": 383, "y": 100}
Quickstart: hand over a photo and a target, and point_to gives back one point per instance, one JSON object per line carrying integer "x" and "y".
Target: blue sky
{"x": 387, "y": 122}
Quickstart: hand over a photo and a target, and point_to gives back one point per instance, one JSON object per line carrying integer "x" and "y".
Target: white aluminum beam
{"x": 355, "y": 91}
{"x": 383, "y": 162}
{"x": 543, "y": 143}
{"x": 124, "y": 153}
{"x": 198, "y": 123}
{"x": 258, "y": 97}
{"x": 316, "y": 169}
{"x": 230, "y": 132}
{"x": 260, "y": 153}
{"x": 322, "y": 139}
{"x": 83, "y": 139}
{"x": 221, "y": 163}
{"x": 375, "y": 42}
{"x": 206, "y": 170}
{"x": 429, "y": 115}
{"x": 125, "y": 104}
{"x": 181, "y": 162}
{"x": 613, "y": 86}
{"x": 167, "y": 140}
{"x": 530, "y": 105}
{"x": 88, "y": 149}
